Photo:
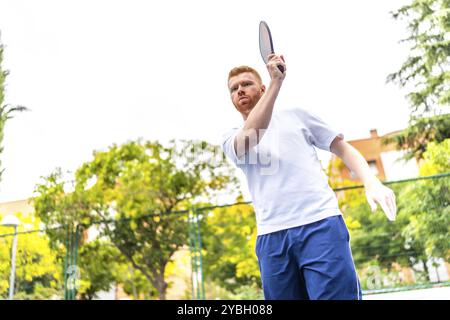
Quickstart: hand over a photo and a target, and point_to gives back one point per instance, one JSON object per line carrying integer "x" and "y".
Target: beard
{"x": 248, "y": 105}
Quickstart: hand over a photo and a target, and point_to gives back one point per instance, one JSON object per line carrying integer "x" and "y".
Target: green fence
{"x": 208, "y": 252}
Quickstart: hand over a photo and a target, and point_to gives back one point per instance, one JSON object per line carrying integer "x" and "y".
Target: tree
{"x": 6, "y": 110}
{"x": 134, "y": 192}
{"x": 419, "y": 133}
{"x": 429, "y": 204}
{"x": 38, "y": 271}
{"x": 229, "y": 238}
{"x": 426, "y": 69}
{"x": 62, "y": 210}
{"x": 135, "y": 284}
{"x": 375, "y": 238}
{"x": 100, "y": 263}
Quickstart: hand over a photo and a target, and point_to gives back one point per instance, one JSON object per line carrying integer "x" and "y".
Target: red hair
{"x": 238, "y": 70}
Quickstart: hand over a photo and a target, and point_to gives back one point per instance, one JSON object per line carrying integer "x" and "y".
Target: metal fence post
{"x": 199, "y": 237}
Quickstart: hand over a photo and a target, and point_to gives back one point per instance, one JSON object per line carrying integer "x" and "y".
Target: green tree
{"x": 427, "y": 70}
{"x": 38, "y": 271}
{"x": 436, "y": 159}
{"x": 429, "y": 203}
{"x": 100, "y": 263}
{"x": 6, "y": 110}
{"x": 134, "y": 192}
{"x": 228, "y": 238}
{"x": 375, "y": 238}
{"x": 62, "y": 209}
{"x": 135, "y": 284}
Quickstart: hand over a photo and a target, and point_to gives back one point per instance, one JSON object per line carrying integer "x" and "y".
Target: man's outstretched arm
{"x": 376, "y": 192}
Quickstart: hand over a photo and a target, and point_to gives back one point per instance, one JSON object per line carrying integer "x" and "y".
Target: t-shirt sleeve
{"x": 228, "y": 144}
{"x": 322, "y": 135}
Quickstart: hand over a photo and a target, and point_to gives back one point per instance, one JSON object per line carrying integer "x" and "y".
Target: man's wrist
{"x": 276, "y": 83}
{"x": 370, "y": 181}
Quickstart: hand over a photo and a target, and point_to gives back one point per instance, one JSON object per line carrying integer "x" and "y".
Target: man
{"x": 303, "y": 243}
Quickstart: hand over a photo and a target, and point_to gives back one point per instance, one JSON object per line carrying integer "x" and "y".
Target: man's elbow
{"x": 338, "y": 146}
{"x": 244, "y": 141}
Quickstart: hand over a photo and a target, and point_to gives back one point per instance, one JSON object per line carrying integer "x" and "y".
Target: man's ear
{"x": 263, "y": 88}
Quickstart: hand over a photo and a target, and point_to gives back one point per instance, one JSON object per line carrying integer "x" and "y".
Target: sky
{"x": 95, "y": 73}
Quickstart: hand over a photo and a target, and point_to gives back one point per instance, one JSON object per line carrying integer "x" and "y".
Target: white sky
{"x": 101, "y": 72}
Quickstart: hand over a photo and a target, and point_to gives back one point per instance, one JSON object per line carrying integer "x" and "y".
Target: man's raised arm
{"x": 259, "y": 117}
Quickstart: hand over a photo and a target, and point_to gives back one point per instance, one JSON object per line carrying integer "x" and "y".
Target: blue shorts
{"x": 311, "y": 262}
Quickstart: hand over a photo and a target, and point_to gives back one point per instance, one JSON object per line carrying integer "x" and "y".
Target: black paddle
{"x": 266, "y": 43}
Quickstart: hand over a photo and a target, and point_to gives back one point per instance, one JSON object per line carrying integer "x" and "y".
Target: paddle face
{"x": 266, "y": 43}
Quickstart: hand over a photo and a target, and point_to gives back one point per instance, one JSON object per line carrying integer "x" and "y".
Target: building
{"x": 24, "y": 206}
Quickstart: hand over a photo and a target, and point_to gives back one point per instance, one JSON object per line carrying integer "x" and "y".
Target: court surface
{"x": 441, "y": 293}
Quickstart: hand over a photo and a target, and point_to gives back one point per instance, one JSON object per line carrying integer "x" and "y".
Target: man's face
{"x": 245, "y": 92}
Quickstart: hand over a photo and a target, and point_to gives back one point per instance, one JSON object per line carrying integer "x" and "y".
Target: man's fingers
{"x": 372, "y": 204}
{"x": 394, "y": 201}
{"x": 390, "y": 200}
{"x": 390, "y": 205}
{"x": 385, "y": 197}
{"x": 387, "y": 210}
{"x": 271, "y": 56}
{"x": 274, "y": 57}
{"x": 393, "y": 205}
{"x": 276, "y": 67}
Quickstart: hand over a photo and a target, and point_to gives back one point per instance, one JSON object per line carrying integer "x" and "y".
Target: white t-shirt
{"x": 284, "y": 175}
